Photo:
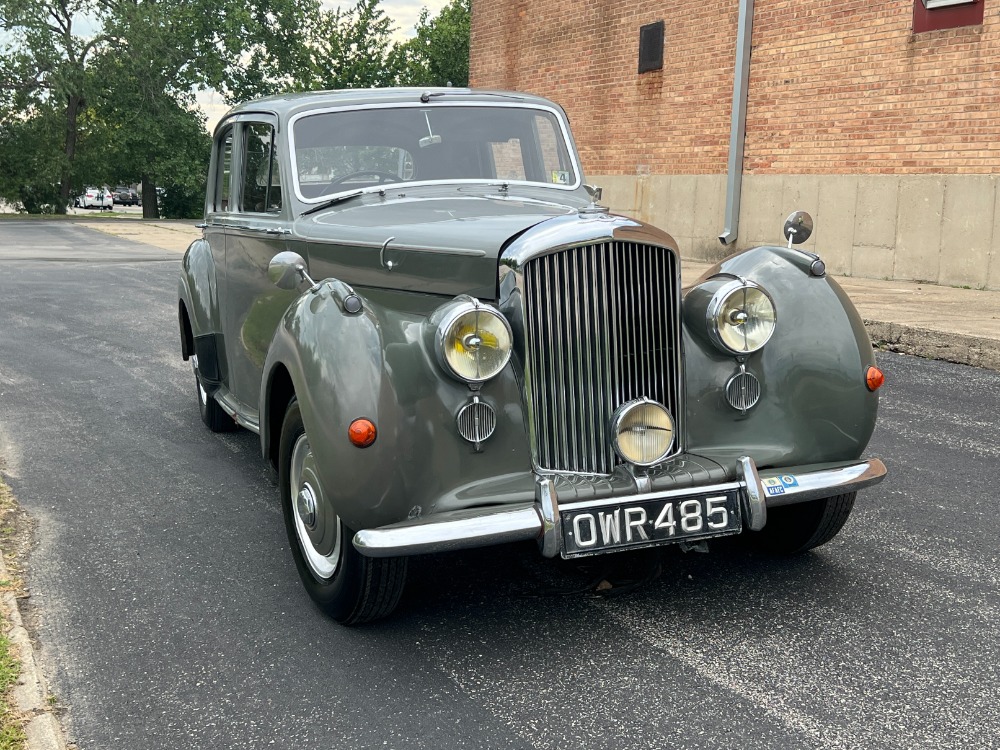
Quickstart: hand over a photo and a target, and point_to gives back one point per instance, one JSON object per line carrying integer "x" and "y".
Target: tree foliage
{"x": 113, "y": 102}
{"x": 140, "y": 64}
{"x": 439, "y": 53}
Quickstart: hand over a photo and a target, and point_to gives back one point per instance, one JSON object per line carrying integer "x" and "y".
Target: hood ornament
{"x": 595, "y": 195}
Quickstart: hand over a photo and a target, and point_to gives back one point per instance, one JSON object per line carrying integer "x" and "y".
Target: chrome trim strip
{"x": 224, "y": 399}
{"x": 444, "y": 532}
{"x": 482, "y": 527}
{"x": 563, "y": 127}
{"x": 417, "y": 248}
{"x": 826, "y": 482}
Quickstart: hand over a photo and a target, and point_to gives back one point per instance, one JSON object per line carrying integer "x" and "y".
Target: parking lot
{"x": 169, "y": 614}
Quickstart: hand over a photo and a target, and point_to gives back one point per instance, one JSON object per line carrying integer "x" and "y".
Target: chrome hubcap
{"x": 305, "y": 506}
{"x": 317, "y": 527}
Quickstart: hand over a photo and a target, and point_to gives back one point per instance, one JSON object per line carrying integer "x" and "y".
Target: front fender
{"x": 377, "y": 364}
{"x": 814, "y": 406}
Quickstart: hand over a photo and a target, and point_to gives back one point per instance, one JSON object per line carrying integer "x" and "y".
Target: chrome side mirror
{"x": 798, "y": 228}
{"x": 287, "y": 270}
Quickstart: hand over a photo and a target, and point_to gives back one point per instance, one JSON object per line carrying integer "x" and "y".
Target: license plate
{"x": 646, "y": 523}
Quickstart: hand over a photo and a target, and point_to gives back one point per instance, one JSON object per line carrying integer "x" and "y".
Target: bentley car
{"x": 444, "y": 341}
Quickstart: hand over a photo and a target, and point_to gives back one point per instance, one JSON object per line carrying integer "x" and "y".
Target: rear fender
{"x": 199, "y": 299}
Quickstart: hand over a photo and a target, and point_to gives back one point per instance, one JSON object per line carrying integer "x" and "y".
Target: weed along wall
{"x": 889, "y": 136}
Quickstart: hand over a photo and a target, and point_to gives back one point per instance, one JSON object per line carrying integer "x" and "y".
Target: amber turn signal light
{"x": 361, "y": 432}
{"x": 874, "y": 378}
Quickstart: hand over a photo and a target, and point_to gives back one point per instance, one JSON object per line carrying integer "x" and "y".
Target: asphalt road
{"x": 169, "y": 614}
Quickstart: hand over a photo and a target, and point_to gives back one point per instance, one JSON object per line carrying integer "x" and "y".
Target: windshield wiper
{"x": 332, "y": 202}
{"x": 428, "y": 95}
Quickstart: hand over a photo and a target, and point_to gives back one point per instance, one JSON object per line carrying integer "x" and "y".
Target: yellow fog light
{"x": 643, "y": 432}
{"x": 474, "y": 341}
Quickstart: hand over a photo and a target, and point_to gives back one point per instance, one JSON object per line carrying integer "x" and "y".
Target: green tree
{"x": 31, "y": 163}
{"x": 438, "y": 54}
{"x": 44, "y": 67}
{"x": 342, "y": 49}
{"x": 167, "y": 46}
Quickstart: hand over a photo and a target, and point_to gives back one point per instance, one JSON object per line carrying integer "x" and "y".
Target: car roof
{"x": 284, "y": 105}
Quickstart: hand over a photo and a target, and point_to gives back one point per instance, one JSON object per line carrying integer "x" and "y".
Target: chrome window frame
{"x": 564, "y": 129}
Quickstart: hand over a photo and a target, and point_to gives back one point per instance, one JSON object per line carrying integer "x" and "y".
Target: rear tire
{"x": 343, "y": 583}
{"x": 793, "y": 529}
{"x": 214, "y": 416}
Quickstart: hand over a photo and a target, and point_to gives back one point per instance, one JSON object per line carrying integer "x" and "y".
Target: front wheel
{"x": 792, "y": 529}
{"x": 346, "y": 585}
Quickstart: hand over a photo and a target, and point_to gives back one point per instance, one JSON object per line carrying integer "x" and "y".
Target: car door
{"x": 211, "y": 289}
{"x": 256, "y": 232}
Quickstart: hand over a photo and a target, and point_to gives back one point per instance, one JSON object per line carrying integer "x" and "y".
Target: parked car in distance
{"x": 444, "y": 341}
{"x": 126, "y": 196}
{"x": 93, "y": 197}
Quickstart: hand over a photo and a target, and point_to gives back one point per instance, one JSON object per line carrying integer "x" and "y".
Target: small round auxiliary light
{"x": 874, "y": 378}
{"x": 643, "y": 432}
{"x": 361, "y": 432}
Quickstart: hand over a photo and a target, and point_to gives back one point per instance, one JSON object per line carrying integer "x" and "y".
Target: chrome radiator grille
{"x": 602, "y": 329}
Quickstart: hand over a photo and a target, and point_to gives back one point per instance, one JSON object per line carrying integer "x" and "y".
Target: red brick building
{"x": 880, "y": 118}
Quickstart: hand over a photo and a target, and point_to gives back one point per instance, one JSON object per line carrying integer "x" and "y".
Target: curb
{"x": 29, "y": 695}
{"x": 960, "y": 348}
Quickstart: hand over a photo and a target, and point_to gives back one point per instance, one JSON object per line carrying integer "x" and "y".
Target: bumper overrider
{"x": 580, "y": 528}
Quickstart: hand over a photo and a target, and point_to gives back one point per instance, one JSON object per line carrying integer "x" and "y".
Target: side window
{"x": 261, "y": 179}
{"x": 222, "y": 186}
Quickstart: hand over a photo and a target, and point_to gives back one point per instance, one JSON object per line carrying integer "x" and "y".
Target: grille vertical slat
{"x": 600, "y": 329}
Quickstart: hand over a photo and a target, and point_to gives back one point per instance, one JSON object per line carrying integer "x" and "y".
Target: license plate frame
{"x": 637, "y": 522}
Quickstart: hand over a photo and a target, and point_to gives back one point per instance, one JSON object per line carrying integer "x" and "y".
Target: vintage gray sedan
{"x": 444, "y": 342}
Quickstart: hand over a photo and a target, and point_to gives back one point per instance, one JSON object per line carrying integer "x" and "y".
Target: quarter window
{"x": 261, "y": 178}
{"x": 222, "y": 186}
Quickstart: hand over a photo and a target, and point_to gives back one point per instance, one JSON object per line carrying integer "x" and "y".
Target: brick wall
{"x": 847, "y": 88}
{"x": 836, "y": 87}
{"x": 584, "y": 55}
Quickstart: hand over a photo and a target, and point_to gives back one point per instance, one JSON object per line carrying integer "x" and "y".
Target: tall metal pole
{"x": 737, "y": 132}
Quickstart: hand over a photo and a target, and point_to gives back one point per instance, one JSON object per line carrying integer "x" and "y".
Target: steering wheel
{"x": 383, "y": 177}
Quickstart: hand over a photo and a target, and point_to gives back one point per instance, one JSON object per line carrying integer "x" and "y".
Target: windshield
{"x": 335, "y": 152}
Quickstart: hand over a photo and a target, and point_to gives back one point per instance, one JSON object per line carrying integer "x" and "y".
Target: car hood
{"x": 440, "y": 244}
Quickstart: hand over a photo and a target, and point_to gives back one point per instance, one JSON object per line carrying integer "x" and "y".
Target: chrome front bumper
{"x": 540, "y": 520}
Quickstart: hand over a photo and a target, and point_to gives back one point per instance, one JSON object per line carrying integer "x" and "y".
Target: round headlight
{"x": 643, "y": 431}
{"x": 474, "y": 341}
{"x": 741, "y": 317}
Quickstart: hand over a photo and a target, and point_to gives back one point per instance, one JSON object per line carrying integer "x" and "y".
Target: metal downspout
{"x": 737, "y": 132}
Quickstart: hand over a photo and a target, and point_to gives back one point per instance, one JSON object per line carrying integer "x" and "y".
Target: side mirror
{"x": 798, "y": 228}
{"x": 287, "y": 270}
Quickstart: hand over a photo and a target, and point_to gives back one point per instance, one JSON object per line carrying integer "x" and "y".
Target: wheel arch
{"x": 279, "y": 392}
{"x": 187, "y": 335}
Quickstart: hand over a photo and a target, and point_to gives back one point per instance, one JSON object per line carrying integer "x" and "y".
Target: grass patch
{"x": 11, "y": 731}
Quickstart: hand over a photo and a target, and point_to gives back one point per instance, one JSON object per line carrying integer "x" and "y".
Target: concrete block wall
{"x": 943, "y": 229}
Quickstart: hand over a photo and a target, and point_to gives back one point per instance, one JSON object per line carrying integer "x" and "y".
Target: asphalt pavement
{"x": 168, "y": 612}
